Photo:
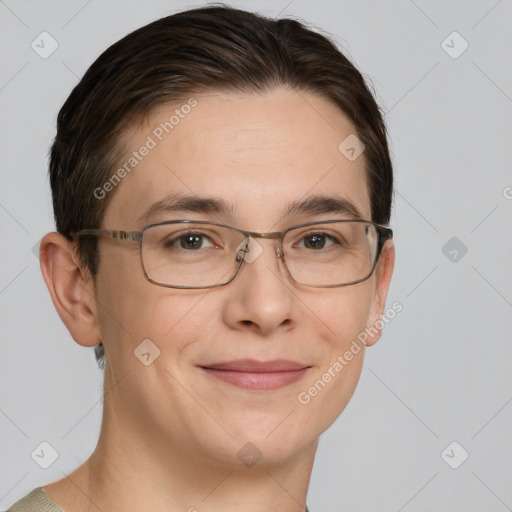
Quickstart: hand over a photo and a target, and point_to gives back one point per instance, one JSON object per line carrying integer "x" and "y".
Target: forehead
{"x": 256, "y": 153}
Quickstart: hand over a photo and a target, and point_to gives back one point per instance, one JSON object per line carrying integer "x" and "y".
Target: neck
{"x": 133, "y": 468}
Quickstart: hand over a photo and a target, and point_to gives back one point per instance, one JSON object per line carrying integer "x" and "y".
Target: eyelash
{"x": 177, "y": 237}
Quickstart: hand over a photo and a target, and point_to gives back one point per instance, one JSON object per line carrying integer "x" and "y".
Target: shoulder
{"x": 35, "y": 501}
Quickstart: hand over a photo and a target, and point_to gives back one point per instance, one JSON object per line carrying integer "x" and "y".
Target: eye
{"x": 318, "y": 241}
{"x": 190, "y": 241}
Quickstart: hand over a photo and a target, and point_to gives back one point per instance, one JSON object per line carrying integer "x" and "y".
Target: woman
{"x": 221, "y": 186}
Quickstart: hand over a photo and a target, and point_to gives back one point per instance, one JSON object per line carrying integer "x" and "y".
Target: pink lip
{"x": 252, "y": 374}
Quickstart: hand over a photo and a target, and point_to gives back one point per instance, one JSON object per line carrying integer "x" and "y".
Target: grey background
{"x": 441, "y": 372}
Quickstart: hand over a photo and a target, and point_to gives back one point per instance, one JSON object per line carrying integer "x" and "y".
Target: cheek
{"x": 342, "y": 312}
{"x": 342, "y": 315}
{"x": 131, "y": 309}
{"x": 135, "y": 310}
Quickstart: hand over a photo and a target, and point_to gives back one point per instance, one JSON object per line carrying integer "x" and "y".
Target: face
{"x": 258, "y": 154}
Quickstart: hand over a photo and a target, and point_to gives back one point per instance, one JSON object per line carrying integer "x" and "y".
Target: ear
{"x": 383, "y": 273}
{"x": 71, "y": 288}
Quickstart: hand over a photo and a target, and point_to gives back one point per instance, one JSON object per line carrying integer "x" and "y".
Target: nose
{"x": 260, "y": 299}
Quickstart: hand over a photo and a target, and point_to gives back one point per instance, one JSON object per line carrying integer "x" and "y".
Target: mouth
{"x": 258, "y": 375}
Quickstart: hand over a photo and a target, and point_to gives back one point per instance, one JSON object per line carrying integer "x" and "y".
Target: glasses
{"x": 196, "y": 254}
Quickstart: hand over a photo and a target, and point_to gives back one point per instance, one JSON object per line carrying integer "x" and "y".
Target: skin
{"x": 170, "y": 433}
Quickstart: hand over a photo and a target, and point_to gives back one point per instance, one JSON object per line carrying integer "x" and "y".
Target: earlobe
{"x": 71, "y": 288}
{"x": 383, "y": 274}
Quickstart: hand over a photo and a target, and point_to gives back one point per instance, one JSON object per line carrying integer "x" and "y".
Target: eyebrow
{"x": 186, "y": 203}
{"x": 320, "y": 204}
{"x": 313, "y": 205}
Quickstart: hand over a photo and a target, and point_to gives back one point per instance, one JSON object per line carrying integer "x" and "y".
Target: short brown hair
{"x": 213, "y": 48}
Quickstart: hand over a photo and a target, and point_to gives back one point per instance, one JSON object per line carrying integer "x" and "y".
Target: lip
{"x": 259, "y": 375}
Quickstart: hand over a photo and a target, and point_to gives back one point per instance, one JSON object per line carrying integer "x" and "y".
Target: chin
{"x": 272, "y": 443}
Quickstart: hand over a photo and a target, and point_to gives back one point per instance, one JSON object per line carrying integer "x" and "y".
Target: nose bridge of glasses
{"x": 249, "y": 249}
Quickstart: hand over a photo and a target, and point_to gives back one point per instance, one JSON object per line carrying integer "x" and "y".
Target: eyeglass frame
{"x": 384, "y": 233}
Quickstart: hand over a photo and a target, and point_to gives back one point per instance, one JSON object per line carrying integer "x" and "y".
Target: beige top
{"x": 36, "y": 501}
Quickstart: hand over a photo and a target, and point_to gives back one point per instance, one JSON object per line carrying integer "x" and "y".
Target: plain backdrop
{"x": 429, "y": 425}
